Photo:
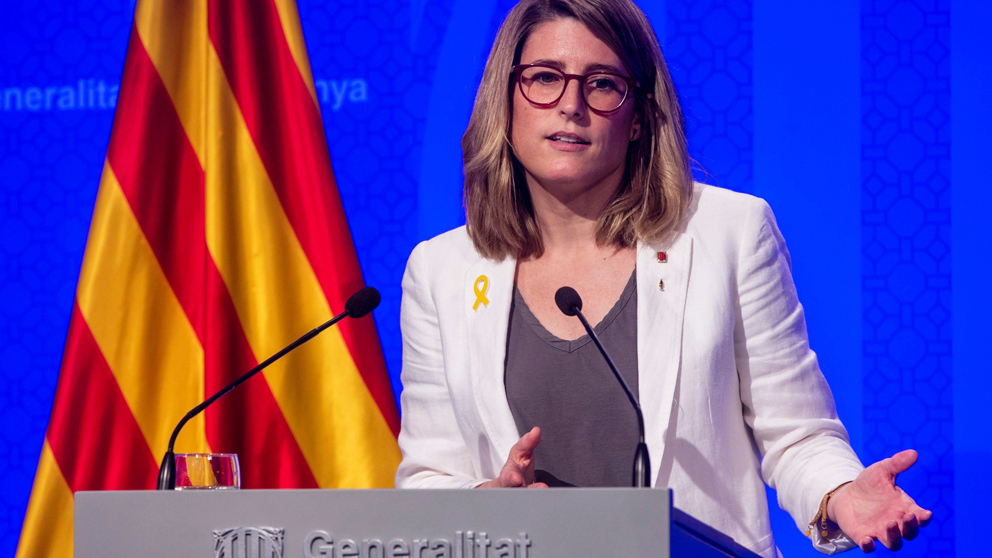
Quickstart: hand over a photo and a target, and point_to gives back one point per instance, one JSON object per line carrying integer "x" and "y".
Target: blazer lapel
{"x": 661, "y": 292}
{"x": 487, "y": 325}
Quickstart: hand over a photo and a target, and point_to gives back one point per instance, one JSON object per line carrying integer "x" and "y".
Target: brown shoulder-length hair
{"x": 657, "y": 184}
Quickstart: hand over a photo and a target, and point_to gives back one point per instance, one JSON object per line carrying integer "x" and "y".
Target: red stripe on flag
{"x": 286, "y": 127}
{"x": 248, "y": 420}
{"x": 161, "y": 178}
{"x": 93, "y": 435}
{"x": 163, "y": 182}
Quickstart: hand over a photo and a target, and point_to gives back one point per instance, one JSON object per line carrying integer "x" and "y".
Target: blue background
{"x": 865, "y": 124}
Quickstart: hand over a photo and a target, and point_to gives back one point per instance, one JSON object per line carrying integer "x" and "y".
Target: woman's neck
{"x": 567, "y": 216}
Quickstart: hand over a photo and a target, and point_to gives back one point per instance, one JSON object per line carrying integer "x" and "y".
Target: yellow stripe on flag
{"x": 139, "y": 325}
{"x": 277, "y": 296}
{"x": 289, "y": 17}
{"x": 174, "y": 33}
{"x": 47, "y": 529}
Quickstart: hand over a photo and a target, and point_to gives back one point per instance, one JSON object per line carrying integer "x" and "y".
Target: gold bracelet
{"x": 821, "y": 514}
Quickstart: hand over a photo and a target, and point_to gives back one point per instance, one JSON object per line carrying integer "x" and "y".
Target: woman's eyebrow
{"x": 557, "y": 64}
{"x": 604, "y": 68}
{"x": 596, "y": 67}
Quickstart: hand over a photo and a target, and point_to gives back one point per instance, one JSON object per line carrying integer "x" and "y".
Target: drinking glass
{"x": 207, "y": 471}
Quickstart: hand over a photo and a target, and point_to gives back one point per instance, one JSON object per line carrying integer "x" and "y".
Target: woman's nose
{"x": 571, "y": 102}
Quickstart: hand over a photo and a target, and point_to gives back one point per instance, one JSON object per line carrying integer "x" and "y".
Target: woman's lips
{"x": 564, "y": 141}
{"x": 565, "y": 137}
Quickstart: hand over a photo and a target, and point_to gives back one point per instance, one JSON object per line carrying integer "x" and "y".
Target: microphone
{"x": 570, "y": 304}
{"x": 360, "y": 304}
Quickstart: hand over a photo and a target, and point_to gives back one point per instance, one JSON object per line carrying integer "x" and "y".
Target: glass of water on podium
{"x": 207, "y": 471}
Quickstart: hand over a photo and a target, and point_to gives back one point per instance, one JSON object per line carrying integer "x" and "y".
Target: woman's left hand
{"x": 873, "y": 508}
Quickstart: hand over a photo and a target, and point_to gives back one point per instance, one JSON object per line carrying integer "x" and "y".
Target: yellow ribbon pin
{"x": 480, "y": 293}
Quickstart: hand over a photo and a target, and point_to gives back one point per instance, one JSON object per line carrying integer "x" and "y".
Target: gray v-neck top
{"x": 588, "y": 426}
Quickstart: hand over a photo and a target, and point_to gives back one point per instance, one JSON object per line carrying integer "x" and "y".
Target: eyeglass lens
{"x": 544, "y": 86}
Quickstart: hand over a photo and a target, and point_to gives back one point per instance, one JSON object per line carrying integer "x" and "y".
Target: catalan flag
{"x": 217, "y": 238}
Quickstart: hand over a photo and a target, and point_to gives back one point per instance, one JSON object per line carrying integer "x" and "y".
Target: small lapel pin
{"x": 661, "y": 285}
{"x": 480, "y": 292}
{"x": 662, "y": 257}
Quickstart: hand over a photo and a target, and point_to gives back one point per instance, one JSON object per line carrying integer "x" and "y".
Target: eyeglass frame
{"x": 517, "y": 73}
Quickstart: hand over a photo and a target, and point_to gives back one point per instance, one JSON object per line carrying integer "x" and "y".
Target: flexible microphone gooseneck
{"x": 360, "y": 304}
{"x": 570, "y": 304}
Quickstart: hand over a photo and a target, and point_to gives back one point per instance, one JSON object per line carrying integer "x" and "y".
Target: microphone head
{"x": 568, "y": 301}
{"x": 362, "y": 302}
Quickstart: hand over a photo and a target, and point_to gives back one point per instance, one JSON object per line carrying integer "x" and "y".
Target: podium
{"x": 509, "y": 523}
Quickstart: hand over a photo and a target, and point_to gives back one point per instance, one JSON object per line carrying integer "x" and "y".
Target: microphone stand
{"x": 642, "y": 461}
{"x": 570, "y": 304}
{"x": 358, "y": 305}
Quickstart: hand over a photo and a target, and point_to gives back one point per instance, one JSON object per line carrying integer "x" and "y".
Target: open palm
{"x": 873, "y": 508}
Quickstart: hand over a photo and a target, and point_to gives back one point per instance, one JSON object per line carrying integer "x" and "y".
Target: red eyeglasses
{"x": 544, "y": 86}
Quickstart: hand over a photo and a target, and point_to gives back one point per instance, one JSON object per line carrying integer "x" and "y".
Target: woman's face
{"x": 567, "y": 148}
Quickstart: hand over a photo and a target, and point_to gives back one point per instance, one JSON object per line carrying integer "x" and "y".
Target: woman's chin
{"x": 574, "y": 177}
{"x": 565, "y": 181}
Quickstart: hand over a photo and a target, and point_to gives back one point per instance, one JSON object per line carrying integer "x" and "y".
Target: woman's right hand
{"x": 519, "y": 468}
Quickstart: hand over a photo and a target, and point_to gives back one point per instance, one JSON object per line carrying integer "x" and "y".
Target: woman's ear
{"x": 635, "y": 127}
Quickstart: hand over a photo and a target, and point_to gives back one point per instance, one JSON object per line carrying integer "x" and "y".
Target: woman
{"x": 577, "y": 174}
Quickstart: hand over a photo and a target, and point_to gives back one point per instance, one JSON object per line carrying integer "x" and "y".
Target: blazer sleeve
{"x": 786, "y": 400}
{"x": 434, "y": 452}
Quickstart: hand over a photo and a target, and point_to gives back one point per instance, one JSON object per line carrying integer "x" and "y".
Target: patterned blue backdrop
{"x": 906, "y": 245}
{"x": 841, "y": 115}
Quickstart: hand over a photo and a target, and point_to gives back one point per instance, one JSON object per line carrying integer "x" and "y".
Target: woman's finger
{"x": 537, "y": 485}
{"x": 922, "y": 515}
{"x": 510, "y": 478}
{"x": 867, "y": 544}
{"x": 910, "y": 527}
{"x": 523, "y": 450}
{"x": 902, "y": 461}
{"x": 892, "y": 539}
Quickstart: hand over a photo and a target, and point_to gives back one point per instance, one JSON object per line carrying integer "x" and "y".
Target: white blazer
{"x": 731, "y": 392}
